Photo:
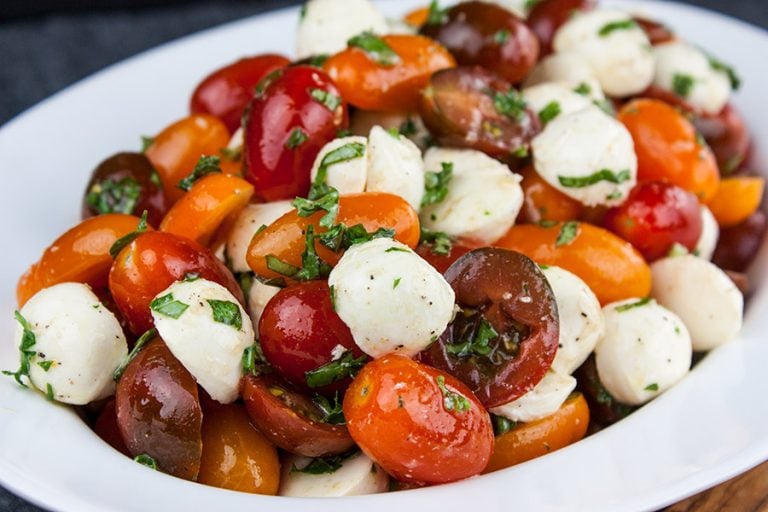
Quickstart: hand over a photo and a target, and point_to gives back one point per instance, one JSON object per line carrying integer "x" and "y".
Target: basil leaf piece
{"x": 168, "y": 306}
{"x": 332, "y": 411}
{"x": 110, "y": 196}
{"x": 633, "y": 305}
{"x": 682, "y": 84}
{"x": 436, "y": 15}
{"x": 121, "y": 242}
{"x": 613, "y": 26}
{"x": 719, "y": 65}
{"x": 275, "y": 264}
{"x": 601, "y": 175}
{"x": 324, "y": 465}
{"x": 296, "y": 138}
{"x": 568, "y": 233}
{"x": 478, "y": 341}
{"x": 376, "y": 48}
{"x": 452, "y": 401}
{"x": 325, "y": 98}
{"x": 143, "y": 340}
{"x": 328, "y": 203}
{"x": 26, "y": 352}
{"x": 551, "y": 111}
{"x": 436, "y": 184}
{"x": 441, "y": 242}
{"x": 345, "y": 366}
{"x": 146, "y": 460}
{"x": 510, "y": 104}
{"x": 226, "y": 312}
{"x": 146, "y": 142}
{"x": 253, "y": 360}
{"x": 206, "y": 165}
{"x": 344, "y": 153}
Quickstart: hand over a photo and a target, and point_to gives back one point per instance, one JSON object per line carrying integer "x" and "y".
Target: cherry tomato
{"x": 506, "y": 292}
{"x": 728, "y": 136}
{"x": 487, "y": 35}
{"x": 738, "y": 245}
{"x": 290, "y": 420}
{"x": 235, "y": 455}
{"x": 158, "y": 411}
{"x": 531, "y": 440}
{"x": 543, "y": 202}
{"x": 176, "y": 150}
{"x": 547, "y": 16}
{"x": 286, "y": 126}
{"x": 80, "y": 255}
{"x": 226, "y": 92}
{"x": 612, "y": 268}
{"x": 285, "y": 238}
{"x": 107, "y": 429}
{"x": 299, "y": 332}
{"x": 474, "y": 108}
{"x": 603, "y": 408}
{"x": 655, "y": 217}
{"x": 657, "y": 32}
{"x": 153, "y": 262}
{"x": 125, "y": 183}
{"x": 736, "y": 199}
{"x": 668, "y": 148}
{"x": 441, "y": 262}
{"x": 369, "y": 85}
{"x": 419, "y": 424}
{"x": 417, "y": 17}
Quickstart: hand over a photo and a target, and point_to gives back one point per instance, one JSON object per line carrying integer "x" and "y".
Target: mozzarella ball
{"x": 247, "y": 223}
{"x": 208, "y": 336}
{"x": 398, "y": 26}
{"x": 620, "y": 58}
{"x": 258, "y": 297}
{"x": 540, "y": 97}
{"x": 237, "y": 140}
{"x": 410, "y": 125}
{"x": 710, "y": 233}
{"x": 519, "y": 8}
{"x": 357, "y": 475}
{"x": 327, "y": 25}
{"x": 574, "y": 150}
{"x": 78, "y": 343}
{"x": 542, "y": 401}
{"x": 646, "y": 350}
{"x": 349, "y": 176}
{"x": 392, "y": 300}
{"x": 570, "y": 68}
{"x": 685, "y": 70}
{"x": 581, "y": 319}
{"x": 483, "y": 200}
{"x": 702, "y": 295}
{"x": 395, "y": 166}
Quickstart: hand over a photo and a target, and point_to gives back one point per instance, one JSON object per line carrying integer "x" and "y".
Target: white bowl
{"x": 710, "y": 427}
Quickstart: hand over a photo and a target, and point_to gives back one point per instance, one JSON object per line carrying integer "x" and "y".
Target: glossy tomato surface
{"x": 728, "y": 136}
{"x": 738, "y": 246}
{"x": 437, "y": 259}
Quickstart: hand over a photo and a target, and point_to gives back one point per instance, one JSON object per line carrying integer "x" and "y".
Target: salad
{"x": 423, "y": 250}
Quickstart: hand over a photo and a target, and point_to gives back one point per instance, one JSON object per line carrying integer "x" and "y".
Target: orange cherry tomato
{"x": 210, "y": 201}
{"x": 544, "y": 202}
{"x": 236, "y": 456}
{"x": 80, "y": 255}
{"x": 736, "y": 199}
{"x": 369, "y": 85}
{"x": 611, "y": 267}
{"x": 285, "y": 238}
{"x": 531, "y": 440}
{"x": 417, "y": 17}
{"x": 668, "y": 148}
{"x": 175, "y": 151}
{"x": 232, "y": 167}
{"x": 419, "y": 424}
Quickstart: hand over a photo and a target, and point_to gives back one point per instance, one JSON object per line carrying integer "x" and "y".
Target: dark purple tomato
{"x": 657, "y": 32}
{"x": 547, "y": 16}
{"x": 738, "y": 245}
{"x": 728, "y": 136}
{"x": 604, "y": 410}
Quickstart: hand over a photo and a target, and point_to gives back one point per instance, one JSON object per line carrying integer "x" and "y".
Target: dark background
{"x": 49, "y": 44}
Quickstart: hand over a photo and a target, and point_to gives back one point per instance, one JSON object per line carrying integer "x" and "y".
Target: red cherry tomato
{"x": 505, "y": 339}
{"x": 656, "y": 216}
{"x": 419, "y": 424}
{"x": 226, "y": 92}
{"x": 548, "y": 16}
{"x": 299, "y": 332}
{"x": 154, "y": 261}
{"x": 288, "y": 123}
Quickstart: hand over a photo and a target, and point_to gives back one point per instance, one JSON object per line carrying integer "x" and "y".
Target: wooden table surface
{"x": 745, "y": 493}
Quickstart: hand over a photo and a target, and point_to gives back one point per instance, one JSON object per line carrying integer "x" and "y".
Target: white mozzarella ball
{"x": 542, "y": 401}
{"x": 78, "y": 343}
{"x": 541, "y": 97}
{"x": 685, "y": 70}
{"x": 237, "y": 140}
{"x": 702, "y": 295}
{"x": 710, "y": 233}
{"x": 248, "y": 222}
{"x": 410, "y": 125}
{"x": 398, "y": 26}
{"x": 391, "y": 299}
{"x": 587, "y": 155}
{"x": 646, "y": 350}
{"x": 483, "y": 200}
{"x": 581, "y": 319}
{"x": 395, "y": 166}
{"x": 258, "y": 297}
{"x": 571, "y": 68}
{"x": 208, "y": 337}
{"x": 519, "y": 8}
{"x": 327, "y": 25}
{"x": 349, "y": 176}
{"x": 357, "y": 475}
{"x": 621, "y": 58}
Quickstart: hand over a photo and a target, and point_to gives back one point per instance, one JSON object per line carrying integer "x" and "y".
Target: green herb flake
{"x": 677, "y": 249}
{"x": 551, "y": 111}
{"x": 408, "y": 127}
{"x": 652, "y": 387}
{"x": 332, "y": 411}
{"x": 325, "y": 98}
{"x": 49, "y": 395}
{"x": 146, "y": 460}
{"x": 452, "y": 401}
{"x": 45, "y": 365}
{"x": 584, "y": 89}
{"x": 510, "y": 104}
{"x": 633, "y": 305}
{"x": 332, "y": 290}
{"x": 120, "y": 243}
{"x": 616, "y": 194}
{"x": 396, "y": 282}
{"x": 303, "y": 12}
{"x": 140, "y": 343}
{"x": 265, "y": 82}
{"x": 521, "y": 152}
{"x": 397, "y": 249}
{"x": 28, "y": 341}
{"x": 296, "y": 138}
{"x": 253, "y": 361}
{"x": 394, "y": 133}
{"x": 501, "y": 36}
{"x": 546, "y": 223}
{"x": 205, "y": 166}
{"x": 146, "y": 142}
{"x": 436, "y": 15}
{"x": 168, "y": 306}
{"x": 232, "y": 154}
{"x": 719, "y": 65}
{"x": 610, "y": 28}
{"x": 376, "y": 48}
{"x": 601, "y": 175}
{"x": 477, "y": 343}
{"x": 530, "y": 4}
{"x": 436, "y": 184}
{"x": 341, "y": 154}
{"x": 682, "y": 84}
{"x": 323, "y": 465}
{"x": 275, "y": 264}
{"x": 441, "y": 242}
{"x": 501, "y": 425}
{"x": 345, "y": 366}
{"x": 328, "y": 203}
{"x": 568, "y": 233}
{"x": 110, "y": 196}
{"x": 226, "y": 312}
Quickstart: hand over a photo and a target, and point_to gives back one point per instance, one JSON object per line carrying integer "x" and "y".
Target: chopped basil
{"x": 584, "y": 89}
{"x": 332, "y": 290}
{"x": 376, "y": 48}
{"x": 324, "y": 465}
{"x": 275, "y": 264}
{"x": 110, "y": 196}
{"x": 205, "y": 166}
{"x": 478, "y": 342}
{"x": 45, "y": 365}
{"x": 501, "y": 425}
{"x": 606, "y": 106}
{"x": 394, "y": 132}
{"x": 325, "y": 98}
{"x": 344, "y": 153}
{"x": 226, "y": 312}
{"x": 154, "y": 178}
{"x": 146, "y": 142}
{"x": 682, "y": 84}
{"x": 568, "y": 233}
{"x": 396, "y": 282}
{"x": 452, "y": 401}
{"x": 312, "y": 266}
{"x": 601, "y": 175}
{"x": 652, "y": 387}
{"x": 613, "y": 26}
{"x": 332, "y": 412}
{"x": 616, "y": 194}
{"x": 719, "y": 65}
{"x": 397, "y": 249}
{"x": 296, "y": 138}
{"x": 328, "y": 203}
{"x": 146, "y": 460}
{"x": 441, "y": 242}
{"x": 168, "y": 306}
{"x": 28, "y": 341}
{"x": 143, "y": 340}
{"x": 49, "y": 392}
{"x": 501, "y": 36}
{"x": 303, "y": 12}
{"x": 436, "y": 184}
{"x": 265, "y": 82}
{"x": 677, "y": 249}
{"x": 521, "y": 152}
{"x": 530, "y": 4}
{"x": 121, "y": 242}
{"x": 547, "y": 223}
{"x": 343, "y": 237}
{"x": 436, "y": 15}
{"x": 551, "y": 111}
{"x": 408, "y": 127}
{"x": 633, "y": 305}
{"x": 510, "y": 104}
{"x": 190, "y": 277}
{"x": 345, "y": 366}
{"x": 253, "y": 360}
{"x": 232, "y": 154}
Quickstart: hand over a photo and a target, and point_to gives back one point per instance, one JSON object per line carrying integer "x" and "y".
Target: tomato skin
{"x": 107, "y": 429}
{"x": 439, "y": 261}
{"x": 226, "y": 92}
{"x": 728, "y": 136}
{"x": 655, "y": 217}
{"x": 542, "y": 201}
{"x": 738, "y": 245}
{"x": 298, "y": 331}
{"x": 668, "y": 149}
{"x": 276, "y": 170}
{"x": 492, "y": 282}
{"x": 603, "y": 408}
{"x": 372, "y": 86}
{"x": 290, "y": 420}
{"x": 657, "y": 32}
{"x": 154, "y": 261}
{"x": 548, "y": 16}
{"x": 396, "y": 412}
{"x": 737, "y": 198}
